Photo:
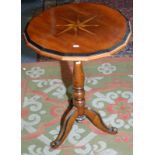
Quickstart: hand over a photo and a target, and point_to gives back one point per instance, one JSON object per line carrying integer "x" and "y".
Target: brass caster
{"x": 54, "y": 144}
{"x": 113, "y": 130}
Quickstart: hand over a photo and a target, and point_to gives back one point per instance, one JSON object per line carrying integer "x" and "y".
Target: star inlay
{"x": 77, "y": 25}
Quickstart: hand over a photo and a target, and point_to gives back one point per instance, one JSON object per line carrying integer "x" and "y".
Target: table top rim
{"x": 80, "y": 54}
{"x": 44, "y": 50}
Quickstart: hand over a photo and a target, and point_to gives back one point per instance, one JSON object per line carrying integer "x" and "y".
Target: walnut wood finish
{"x": 78, "y": 32}
{"x": 66, "y": 127}
{"x": 78, "y": 88}
{"x": 79, "y": 110}
{"x": 95, "y": 118}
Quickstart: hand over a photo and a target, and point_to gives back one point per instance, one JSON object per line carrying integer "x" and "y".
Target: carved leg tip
{"x": 113, "y": 130}
{"x": 54, "y": 144}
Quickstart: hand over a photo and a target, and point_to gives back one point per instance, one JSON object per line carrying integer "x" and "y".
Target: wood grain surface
{"x": 78, "y": 32}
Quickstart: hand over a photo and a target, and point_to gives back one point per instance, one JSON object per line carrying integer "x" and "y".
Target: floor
{"x": 45, "y": 94}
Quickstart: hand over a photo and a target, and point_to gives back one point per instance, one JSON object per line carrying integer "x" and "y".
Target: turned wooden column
{"x": 78, "y": 89}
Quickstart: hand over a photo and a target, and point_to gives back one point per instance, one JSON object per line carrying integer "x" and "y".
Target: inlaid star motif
{"x": 77, "y": 25}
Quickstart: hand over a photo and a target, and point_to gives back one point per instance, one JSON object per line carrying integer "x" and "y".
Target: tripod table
{"x": 78, "y": 32}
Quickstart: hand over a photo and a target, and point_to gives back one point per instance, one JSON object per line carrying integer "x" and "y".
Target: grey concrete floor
{"x": 27, "y": 10}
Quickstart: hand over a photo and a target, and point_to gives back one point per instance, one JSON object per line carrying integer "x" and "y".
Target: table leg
{"x": 66, "y": 127}
{"x": 95, "y": 118}
{"x": 79, "y": 111}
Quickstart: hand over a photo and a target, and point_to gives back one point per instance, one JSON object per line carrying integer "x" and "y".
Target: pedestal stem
{"x": 79, "y": 112}
{"x": 78, "y": 87}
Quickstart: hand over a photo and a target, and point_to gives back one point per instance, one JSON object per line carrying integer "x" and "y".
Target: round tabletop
{"x": 78, "y": 32}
